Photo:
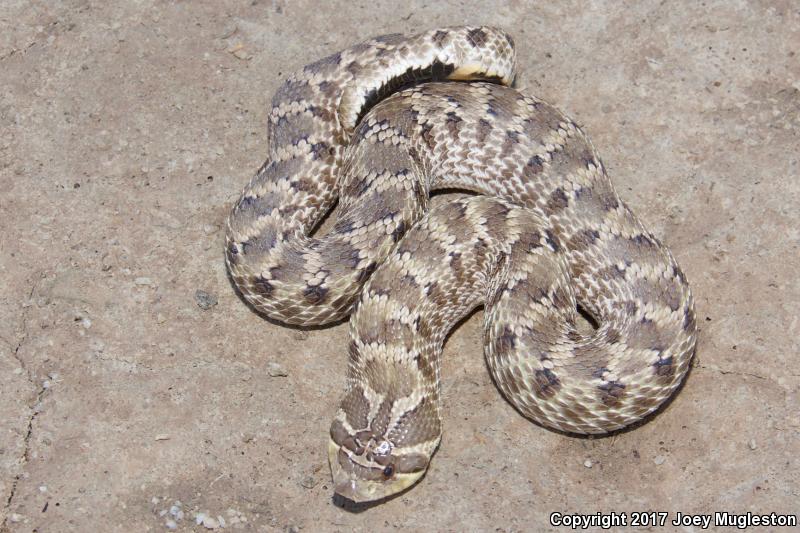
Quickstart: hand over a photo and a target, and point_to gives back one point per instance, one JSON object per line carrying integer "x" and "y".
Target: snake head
{"x": 366, "y": 468}
{"x": 386, "y": 457}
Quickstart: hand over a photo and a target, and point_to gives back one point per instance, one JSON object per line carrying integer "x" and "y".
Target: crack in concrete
{"x": 732, "y": 372}
{"x": 24, "y": 338}
{"x": 15, "y": 51}
{"x": 35, "y": 409}
{"x": 724, "y": 372}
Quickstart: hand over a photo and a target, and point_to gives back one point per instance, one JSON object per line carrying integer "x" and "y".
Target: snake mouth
{"x": 363, "y": 490}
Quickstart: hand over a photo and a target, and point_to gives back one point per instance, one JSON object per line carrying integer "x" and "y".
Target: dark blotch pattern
{"x": 477, "y": 37}
{"x": 315, "y": 295}
{"x": 484, "y": 128}
{"x": 399, "y": 231}
{"x": 611, "y": 392}
{"x": 664, "y": 367}
{"x": 356, "y": 406}
{"x": 421, "y": 424}
{"x": 390, "y": 38}
{"x": 546, "y": 383}
{"x": 439, "y": 37}
{"x": 366, "y": 272}
{"x": 321, "y": 150}
{"x": 506, "y": 342}
{"x": 324, "y": 64}
{"x": 233, "y": 253}
{"x": 351, "y": 257}
{"x": 534, "y": 166}
{"x": 263, "y": 286}
{"x": 644, "y": 241}
{"x": 558, "y": 200}
{"x": 552, "y": 240}
{"x": 584, "y": 239}
{"x": 613, "y": 336}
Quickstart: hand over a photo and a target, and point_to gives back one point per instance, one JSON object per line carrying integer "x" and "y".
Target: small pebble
{"x": 275, "y": 370}
{"x": 205, "y": 300}
{"x": 242, "y": 54}
{"x": 752, "y": 444}
{"x": 15, "y": 518}
{"x": 171, "y": 524}
{"x": 659, "y": 459}
{"x": 162, "y": 436}
{"x": 235, "y": 517}
{"x": 308, "y": 482}
{"x": 210, "y": 522}
{"x": 587, "y": 463}
{"x": 143, "y": 281}
{"x": 43, "y": 488}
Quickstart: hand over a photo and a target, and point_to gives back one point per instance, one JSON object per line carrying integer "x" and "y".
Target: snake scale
{"x": 377, "y": 127}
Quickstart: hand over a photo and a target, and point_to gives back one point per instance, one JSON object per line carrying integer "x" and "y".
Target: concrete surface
{"x": 128, "y": 129}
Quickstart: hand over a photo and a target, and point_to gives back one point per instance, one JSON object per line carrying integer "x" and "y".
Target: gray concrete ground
{"x": 129, "y": 128}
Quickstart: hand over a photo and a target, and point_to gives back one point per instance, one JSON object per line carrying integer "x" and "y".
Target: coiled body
{"x": 553, "y": 236}
{"x": 277, "y": 267}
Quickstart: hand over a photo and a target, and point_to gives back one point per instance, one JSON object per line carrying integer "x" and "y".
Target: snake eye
{"x": 388, "y": 471}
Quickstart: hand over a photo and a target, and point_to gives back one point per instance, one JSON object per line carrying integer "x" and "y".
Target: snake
{"x": 541, "y": 239}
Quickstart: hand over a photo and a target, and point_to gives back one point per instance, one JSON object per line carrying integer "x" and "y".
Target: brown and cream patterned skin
{"x": 555, "y": 237}
{"x": 277, "y": 267}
